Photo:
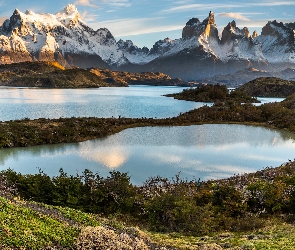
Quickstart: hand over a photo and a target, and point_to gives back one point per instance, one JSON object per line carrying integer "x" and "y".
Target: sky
{"x": 146, "y": 21}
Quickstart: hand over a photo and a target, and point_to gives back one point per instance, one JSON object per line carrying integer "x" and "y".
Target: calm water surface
{"x": 133, "y": 101}
{"x": 205, "y": 151}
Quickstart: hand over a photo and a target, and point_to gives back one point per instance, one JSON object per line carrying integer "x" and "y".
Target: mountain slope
{"x": 199, "y": 53}
{"x": 62, "y": 37}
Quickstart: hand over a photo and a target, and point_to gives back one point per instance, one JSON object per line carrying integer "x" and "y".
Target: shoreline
{"x": 56, "y": 131}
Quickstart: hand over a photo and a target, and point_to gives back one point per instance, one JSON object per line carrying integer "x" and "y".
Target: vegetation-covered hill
{"x": 143, "y": 78}
{"x": 53, "y": 75}
{"x": 213, "y": 93}
{"x": 269, "y": 87}
{"x": 250, "y": 211}
{"x": 47, "y": 75}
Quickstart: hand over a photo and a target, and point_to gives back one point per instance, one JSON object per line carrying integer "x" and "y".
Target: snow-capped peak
{"x": 70, "y": 9}
{"x": 69, "y": 15}
{"x": 64, "y": 37}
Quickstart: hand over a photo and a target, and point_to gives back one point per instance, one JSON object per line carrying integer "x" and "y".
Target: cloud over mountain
{"x": 234, "y": 16}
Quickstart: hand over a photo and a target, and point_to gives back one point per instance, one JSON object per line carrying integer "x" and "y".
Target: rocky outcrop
{"x": 129, "y": 47}
{"x": 278, "y": 43}
{"x": 283, "y": 32}
{"x": 189, "y": 29}
{"x": 195, "y": 28}
{"x": 161, "y": 47}
{"x": 255, "y": 34}
{"x": 231, "y": 32}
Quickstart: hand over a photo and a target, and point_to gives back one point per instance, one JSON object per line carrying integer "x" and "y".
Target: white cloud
{"x": 136, "y": 26}
{"x": 194, "y": 7}
{"x": 86, "y": 3}
{"x": 118, "y": 3}
{"x": 274, "y": 3}
{"x": 86, "y": 17}
{"x": 214, "y": 6}
{"x": 234, "y": 15}
{"x": 261, "y": 157}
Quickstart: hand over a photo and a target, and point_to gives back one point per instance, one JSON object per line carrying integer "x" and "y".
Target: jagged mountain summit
{"x": 200, "y": 53}
{"x": 62, "y": 37}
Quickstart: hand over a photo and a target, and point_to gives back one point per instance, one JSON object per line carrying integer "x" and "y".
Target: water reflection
{"x": 205, "y": 151}
{"x": 111, "y": 157}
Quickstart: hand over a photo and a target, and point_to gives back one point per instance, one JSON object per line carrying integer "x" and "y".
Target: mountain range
{"x": 199, "y": 54}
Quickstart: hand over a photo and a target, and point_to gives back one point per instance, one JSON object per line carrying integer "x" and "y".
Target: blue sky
{"x": 145, "y": 21}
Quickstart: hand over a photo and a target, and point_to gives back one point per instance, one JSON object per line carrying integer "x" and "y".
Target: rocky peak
{"x": 210, "y": 19}
{"x": 161, "y": 46}
{"x": 69, "y": 16}
{"x": 255, "y": 34}
{"x": 193, "y": 21}
{"x": 231, "y": 33}
{"x": 70, "y": 9}
{"x": 16, "y": 12}
{"x": 12, "y": 23}
{"x": 283, "y": 32}
{"x": 210, "y": 28}
{"x": 127, "y": 45}
{"x": 195, "y": 28}
{"x": 189, "y": 30}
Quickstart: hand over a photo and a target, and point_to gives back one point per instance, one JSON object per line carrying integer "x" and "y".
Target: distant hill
{"x": 269, "y": 87}
{"x": 54, "y": 75}
{"x": 143, "y": 78}
{"x": 47, "y": 75}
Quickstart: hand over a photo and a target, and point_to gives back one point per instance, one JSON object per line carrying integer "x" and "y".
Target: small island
{"x": 214, "y": 93}
{"x": 269, "y": 87}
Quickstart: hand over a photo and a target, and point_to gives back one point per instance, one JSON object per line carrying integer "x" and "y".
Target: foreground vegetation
{"x": 88, "y": 211}
{"x": 251, "y": 211}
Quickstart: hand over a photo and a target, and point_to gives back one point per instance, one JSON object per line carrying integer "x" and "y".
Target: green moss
{"x": 21, "y": 226}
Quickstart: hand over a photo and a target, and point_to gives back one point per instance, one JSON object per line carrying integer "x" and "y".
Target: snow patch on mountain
{"x": 64, "y": 35}
{"x": 63, "y": 32}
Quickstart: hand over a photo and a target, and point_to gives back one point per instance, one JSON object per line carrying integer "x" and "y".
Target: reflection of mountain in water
{"x": 205, "y": 151}
{"x": 110, "y": 156}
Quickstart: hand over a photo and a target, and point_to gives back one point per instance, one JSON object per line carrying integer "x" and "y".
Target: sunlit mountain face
{"x": 203, "y": 50}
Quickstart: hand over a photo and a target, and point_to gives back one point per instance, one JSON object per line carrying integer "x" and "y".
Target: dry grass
{"x": 102, "y": 238}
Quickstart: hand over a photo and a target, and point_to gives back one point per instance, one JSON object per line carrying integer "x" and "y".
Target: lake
{"x": 200, "y": 151}
{"x": 133, "y": 101}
